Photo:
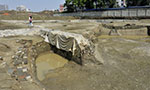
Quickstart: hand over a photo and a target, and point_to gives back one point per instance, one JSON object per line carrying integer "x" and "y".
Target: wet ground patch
{"x": 47, "y": 62}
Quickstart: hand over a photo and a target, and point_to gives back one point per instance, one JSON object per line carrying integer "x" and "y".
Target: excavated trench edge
{"x": 38, "y": 48}
{"x": 34, "y": 48}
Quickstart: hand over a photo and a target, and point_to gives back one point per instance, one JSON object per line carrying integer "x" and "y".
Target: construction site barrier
{"x": 112, "y": 13}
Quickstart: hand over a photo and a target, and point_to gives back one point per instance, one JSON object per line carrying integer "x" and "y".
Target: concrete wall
{"x": 122, "y": 13}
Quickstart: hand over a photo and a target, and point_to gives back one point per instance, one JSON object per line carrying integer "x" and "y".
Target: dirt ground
{"x": 8, "y": 47}
{"x": 7, "y": 25}
{"x": 126, "y": 67}
{"x": 126, "y": 60}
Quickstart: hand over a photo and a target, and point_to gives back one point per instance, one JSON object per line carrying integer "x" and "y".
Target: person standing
{"x": 30, "y": 20}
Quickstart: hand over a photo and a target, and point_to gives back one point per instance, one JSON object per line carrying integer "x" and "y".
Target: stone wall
{"x": 121, "y": 13}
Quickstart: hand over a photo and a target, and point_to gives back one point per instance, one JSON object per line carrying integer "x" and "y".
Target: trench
{"x": 48, "y": 61}
{"x": 52, "y": 72}
{"x": 49, "y": 58}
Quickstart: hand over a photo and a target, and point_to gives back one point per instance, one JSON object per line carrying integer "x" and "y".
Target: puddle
{"x": 48, "y": 61}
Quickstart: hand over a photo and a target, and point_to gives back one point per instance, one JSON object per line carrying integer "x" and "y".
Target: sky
{"x": 34, "y": 5}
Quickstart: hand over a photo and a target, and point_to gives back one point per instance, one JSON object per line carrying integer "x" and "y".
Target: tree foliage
{"x": 75, "y": 5}
{"x": 138, "y": 2}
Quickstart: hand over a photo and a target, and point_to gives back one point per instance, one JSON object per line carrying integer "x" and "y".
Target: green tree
{"x": 111, "y": 3}
{"x": 69, "y": 5}
{"x": 138, "y": 2}
{"x": 100, "y": 4}
{"x": 74, "y": 5}
{"x": 89, "y": 4}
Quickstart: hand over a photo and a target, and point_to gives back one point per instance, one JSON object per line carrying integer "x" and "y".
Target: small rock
{"x": 19, "y": 67}
{"x": 17, "y": 62}
{"x": 18, "y": 52}
{"x": 25, "y": 57}
{"x": 20, "y": 48}
{"x": 10, "y": 71}
{"x": 13, "y": 57}
{"x": 25, "y": 61}
{"x": 3, "y": 64}
{"x": 28, "y": 78}
{"x": 33, "y": 47}
{"x": 24, "y": 69}
{"x": 1, "y": 58}
{"x": 17, "y": 41}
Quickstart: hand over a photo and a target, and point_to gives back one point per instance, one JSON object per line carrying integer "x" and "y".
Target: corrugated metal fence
{"x": 114, "y": 13}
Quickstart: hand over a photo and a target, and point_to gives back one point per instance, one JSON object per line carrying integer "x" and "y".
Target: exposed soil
{"x": 21, "y": 15}
{"x": 48, "y": 61}
{"x": 8, "y": 47}
{"x": 126, "y": 67}
{"x": 126, "y": 60}
{"x": 7, "y": 25}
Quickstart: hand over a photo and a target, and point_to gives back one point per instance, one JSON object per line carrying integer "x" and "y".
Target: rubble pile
{"x": 21, "y": 70}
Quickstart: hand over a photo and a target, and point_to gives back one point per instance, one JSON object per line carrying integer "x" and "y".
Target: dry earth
{"x": 126, "y": 67}
{"x": 126, "y": 60}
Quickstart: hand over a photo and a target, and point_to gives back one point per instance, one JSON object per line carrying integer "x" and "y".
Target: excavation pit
{"x": 126, "y": 62}
{"x": 48, "y": 61}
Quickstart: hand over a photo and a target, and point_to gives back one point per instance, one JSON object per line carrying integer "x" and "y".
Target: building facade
{"x": 22, "y": 8}
{"x": 3, "y": 7}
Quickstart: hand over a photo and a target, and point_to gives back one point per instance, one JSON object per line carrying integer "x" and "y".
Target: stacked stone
{"x": 20, "y": 57}
{"x": 20, "y": 62}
